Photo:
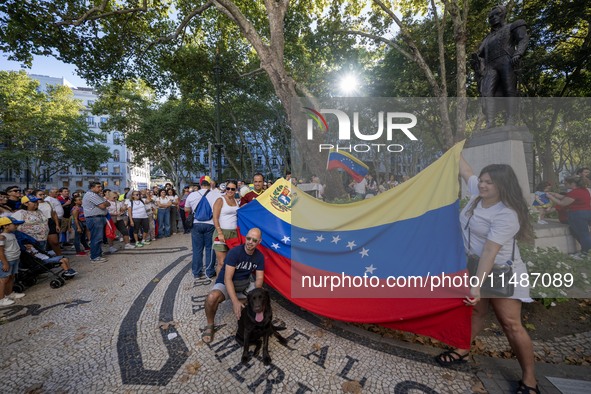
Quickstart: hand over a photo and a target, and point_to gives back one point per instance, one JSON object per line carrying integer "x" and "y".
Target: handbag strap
{"x": 467, "y": 226}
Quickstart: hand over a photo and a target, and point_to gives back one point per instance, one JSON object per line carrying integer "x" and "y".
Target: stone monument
{"x": 495, "y": 64}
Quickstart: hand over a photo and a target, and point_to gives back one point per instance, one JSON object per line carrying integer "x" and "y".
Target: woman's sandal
{"x": 207, "y": 336}
{"x": 525, "y": 389}
{"x": 451, "y": 357}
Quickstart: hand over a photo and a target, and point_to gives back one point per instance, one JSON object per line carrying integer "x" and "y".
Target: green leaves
{"x": 44, "y": 130}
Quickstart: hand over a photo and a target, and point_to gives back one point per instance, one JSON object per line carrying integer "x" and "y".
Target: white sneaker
{"x": 6, "y": 301}
{"x": 129, "y": 246}
{"x": 120, "y": 239}
{"x": 15, "y": 296}
{"x": 113, "y": 249}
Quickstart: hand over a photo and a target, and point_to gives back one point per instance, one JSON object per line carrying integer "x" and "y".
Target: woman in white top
{"x": 138, "y": 219}
{"x": 495, "y": 217}
{"x": 118, "y": 212}
{"x": 163, "y": 204}
{"x": 174, "y": 210}
{"x": 225, "y": 220}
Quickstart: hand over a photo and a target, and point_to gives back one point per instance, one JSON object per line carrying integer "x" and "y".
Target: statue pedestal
{"x": 511, "y": 145}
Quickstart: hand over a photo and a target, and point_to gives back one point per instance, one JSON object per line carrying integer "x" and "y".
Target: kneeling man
{"x": 233, "y": 281}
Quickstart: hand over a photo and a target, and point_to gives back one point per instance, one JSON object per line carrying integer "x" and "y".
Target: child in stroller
{"x": 35, "y": 261}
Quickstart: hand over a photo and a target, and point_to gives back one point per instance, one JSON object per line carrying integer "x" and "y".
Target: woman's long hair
{"x": 510, "y": 194}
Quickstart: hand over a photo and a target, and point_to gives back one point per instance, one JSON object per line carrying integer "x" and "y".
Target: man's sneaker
{"x": 139, "y": 244}
{"x": 146, "y": 242}
{"x": 70, "y": 273}
{"x": 81, "y": 254}
{"x": 15, "y": 296}
{"x": 113, "y": 249}
{"x": 98, "y": 260}
{"x": 6, "y": 301}
{"x": 129, "y": 246}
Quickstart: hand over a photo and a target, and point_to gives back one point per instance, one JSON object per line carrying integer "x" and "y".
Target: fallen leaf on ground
{"x": 479, "y": 388}
{"x": 352, "y": 386}
{"x": 193, "y": 368}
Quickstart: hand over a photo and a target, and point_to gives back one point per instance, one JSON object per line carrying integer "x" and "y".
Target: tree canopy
{"x": 274, "y": 51}
{"x": 44, "y": 132}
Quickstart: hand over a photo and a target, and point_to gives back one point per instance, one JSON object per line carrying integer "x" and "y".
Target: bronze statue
{"x": 496, "y": 62}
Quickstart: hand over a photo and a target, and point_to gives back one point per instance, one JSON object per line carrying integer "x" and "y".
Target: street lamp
{"x": 217, "y": 71}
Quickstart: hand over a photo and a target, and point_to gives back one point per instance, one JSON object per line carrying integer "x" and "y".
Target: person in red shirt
{"x": 578, "y": 201}
{"x": 258, "y": 181}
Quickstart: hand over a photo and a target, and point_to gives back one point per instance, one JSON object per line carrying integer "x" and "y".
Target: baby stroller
{"x": 31, "y": 267}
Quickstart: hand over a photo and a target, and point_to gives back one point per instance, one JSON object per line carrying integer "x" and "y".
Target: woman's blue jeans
{"x": 164, "y": 222}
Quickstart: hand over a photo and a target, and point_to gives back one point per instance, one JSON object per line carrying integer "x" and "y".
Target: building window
{"x": 274, "y": 161}
{"x": 103, "y": 119}
{"x": 79, "y": 183}
{"x": 90, "y": 120}
{"x": 78, "y": 170}
{"x": 116, "y": 170}
{"x": 116, "y": 155}
{"x": 105, "y": 183}
{"x": 117, "y": 139}
{"x": 66, "y": 184}
{"x": 117, "y": 182}
{"x": 259, "y": 160}
{"x": 104, "y": 170}
{"x": 90, "y": 102}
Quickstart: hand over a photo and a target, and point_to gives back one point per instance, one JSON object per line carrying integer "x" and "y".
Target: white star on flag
{"x": 351, "y": 245}
{"x": 370, "y": 269}
{"x": 335, "y": 240}
{"x": 303, "y": 239}
{"x": 319, "y": 238}
{"x": 285, "y": 239}
{"x": 275, "y": 246}
{"x": 364, "y": 252}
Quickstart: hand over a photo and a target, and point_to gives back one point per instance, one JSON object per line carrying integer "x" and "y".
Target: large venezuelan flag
{"x": 372, "y": 249}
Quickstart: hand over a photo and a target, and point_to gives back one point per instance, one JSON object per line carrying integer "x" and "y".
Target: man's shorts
{"x": 65, "y": 225}
{"x": 241, "y": 295}
{"x": 228, "y": 234}
{"x": 52, "y": 227}
{"x": 12, "y": 270}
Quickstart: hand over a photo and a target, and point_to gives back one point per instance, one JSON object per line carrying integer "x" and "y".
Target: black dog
{"x": 256, "y": 322}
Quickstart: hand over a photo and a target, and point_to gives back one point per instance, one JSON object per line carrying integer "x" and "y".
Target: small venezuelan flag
{"x": 350, "y": 164}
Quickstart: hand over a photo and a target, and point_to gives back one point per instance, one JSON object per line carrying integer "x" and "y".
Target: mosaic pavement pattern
{"x": 133, "y": 325}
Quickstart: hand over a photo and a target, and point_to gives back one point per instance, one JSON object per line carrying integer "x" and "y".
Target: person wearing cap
{"x": 10, "y": 253}
{"x": 202, "y": 231}
{"x": 258, "y": 180}
{"x": 14, "y": 197}
{"x": 95, "y": 212}
{"x": 35, "y": 222}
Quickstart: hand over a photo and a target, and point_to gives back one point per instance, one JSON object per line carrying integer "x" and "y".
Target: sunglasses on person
{"x": 252, "y": 239}
{"x": 231, "y": 188}
{"x": 15, "y": 190}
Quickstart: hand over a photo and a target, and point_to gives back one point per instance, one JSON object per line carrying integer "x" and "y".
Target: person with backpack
{"x": 200, "y": 203}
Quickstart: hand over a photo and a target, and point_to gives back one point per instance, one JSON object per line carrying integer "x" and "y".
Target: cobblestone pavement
{"x": 133, "y": 325}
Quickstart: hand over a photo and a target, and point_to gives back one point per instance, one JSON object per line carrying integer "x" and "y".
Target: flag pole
{"x": 328, "y": 157}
